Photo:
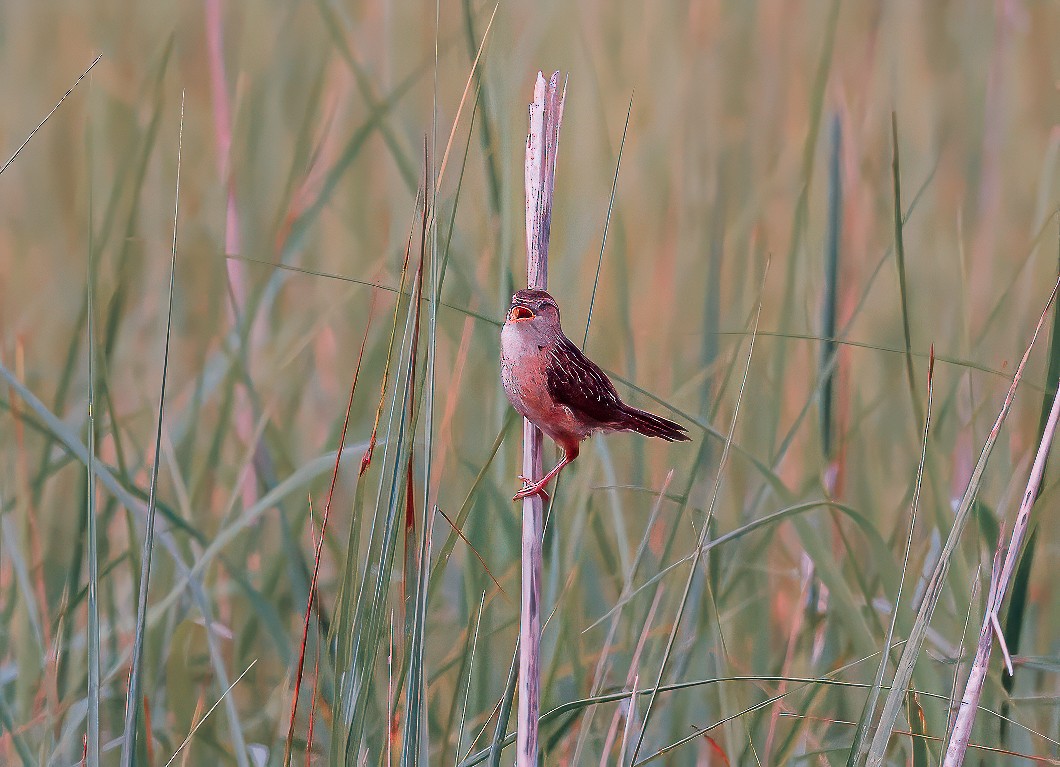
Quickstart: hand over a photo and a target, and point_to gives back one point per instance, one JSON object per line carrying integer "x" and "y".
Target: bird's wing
{"x": 575, "y": 381}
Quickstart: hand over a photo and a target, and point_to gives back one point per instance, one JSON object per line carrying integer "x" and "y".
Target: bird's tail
{"x": 652, "y": 425}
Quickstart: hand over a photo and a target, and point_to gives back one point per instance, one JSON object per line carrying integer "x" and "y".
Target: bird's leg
{"x": 538, "y": 488}
{"x": 530, "y": 488}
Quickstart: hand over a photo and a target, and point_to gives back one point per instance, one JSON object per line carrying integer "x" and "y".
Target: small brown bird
{"x": 561, "y": 391}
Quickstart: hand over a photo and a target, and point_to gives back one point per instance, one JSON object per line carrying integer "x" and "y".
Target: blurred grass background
{"x": 756, "y": 130}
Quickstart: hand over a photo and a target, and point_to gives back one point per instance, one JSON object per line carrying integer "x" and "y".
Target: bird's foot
{"x": 532, "y": 488}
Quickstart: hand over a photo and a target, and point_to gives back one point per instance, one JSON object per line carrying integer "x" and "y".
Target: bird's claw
{"x": 530, "y": 488}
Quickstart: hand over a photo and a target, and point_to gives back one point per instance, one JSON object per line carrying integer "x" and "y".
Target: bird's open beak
{"x": 517, "y": 313}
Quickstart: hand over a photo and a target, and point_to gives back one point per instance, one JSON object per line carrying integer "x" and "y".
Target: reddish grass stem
{"x": 319, "y": 546}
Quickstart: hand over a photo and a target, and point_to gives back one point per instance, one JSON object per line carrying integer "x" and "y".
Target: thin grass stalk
{"x": 437, "y": 181}
{"x": 1000, "y": 580}
{"x": 951, "y": 705}
{"x": 607, "y": 223}
{"x": 918, "y": 738}
{"x": 542, "y": 142}
{"x": 631, "y": 714}
{"x": 91, "y": 758}
{"x": 199, "y": 721}
{"x": 132, "y": 698}
{"x": 58, "y": 104}
{"x": 401, "y": 291}
{"x": 470, "y": 671}
{"x": 316, "y": 660}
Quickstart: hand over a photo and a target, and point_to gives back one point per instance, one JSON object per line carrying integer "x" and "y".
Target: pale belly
{"x": 525, "y": 382}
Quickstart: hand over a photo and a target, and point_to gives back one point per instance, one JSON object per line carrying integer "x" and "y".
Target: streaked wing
{"x": 575, "y": 381}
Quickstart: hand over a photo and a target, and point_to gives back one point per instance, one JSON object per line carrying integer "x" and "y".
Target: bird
{"x": 552, "y": 384}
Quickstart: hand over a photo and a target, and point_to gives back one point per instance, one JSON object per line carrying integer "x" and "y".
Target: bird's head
{"x": 534, "y": 311}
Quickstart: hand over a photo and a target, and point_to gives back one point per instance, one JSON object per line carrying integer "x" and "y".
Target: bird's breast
{"x": 523, "y": 373}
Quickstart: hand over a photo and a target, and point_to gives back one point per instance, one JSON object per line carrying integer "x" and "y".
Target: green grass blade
{"x": 802, "y": 204}
{"x": 414, "y": 743}
{"x": 899, "y": 257}
{"x": 371, "y": 608}
{"x": 831, "y": 288}
{"x": 493, "y": 754}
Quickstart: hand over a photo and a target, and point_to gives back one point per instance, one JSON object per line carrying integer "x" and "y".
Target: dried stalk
{"x": 999, "y": 583}
{"x": 546, "y": 113}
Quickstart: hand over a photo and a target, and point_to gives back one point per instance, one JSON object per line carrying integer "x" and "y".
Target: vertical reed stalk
{"x": 546, "y": 113}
